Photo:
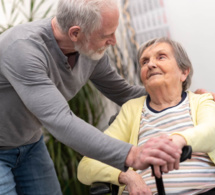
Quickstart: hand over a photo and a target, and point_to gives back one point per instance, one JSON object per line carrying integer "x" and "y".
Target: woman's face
{"x": 159, "y": 67}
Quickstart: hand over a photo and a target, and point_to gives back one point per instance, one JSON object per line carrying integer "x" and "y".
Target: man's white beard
{"x": 94, "y": 55}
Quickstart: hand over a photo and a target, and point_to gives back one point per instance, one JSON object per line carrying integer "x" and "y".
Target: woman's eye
{"x": 144, "y": 62}
{"x": 161, "y": 57}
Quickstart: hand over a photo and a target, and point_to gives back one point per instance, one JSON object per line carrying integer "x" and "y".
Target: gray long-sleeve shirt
{"x": 36, "y": 82}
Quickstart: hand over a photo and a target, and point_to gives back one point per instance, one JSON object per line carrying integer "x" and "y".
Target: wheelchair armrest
{"x": 102, "y": 188}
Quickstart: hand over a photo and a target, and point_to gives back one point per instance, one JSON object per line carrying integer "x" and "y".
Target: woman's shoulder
{"x": 136, "y": 102}
{"x": 199, "y": 97}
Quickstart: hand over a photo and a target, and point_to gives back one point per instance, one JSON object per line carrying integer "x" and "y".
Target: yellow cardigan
{"x": 126, "y": 128}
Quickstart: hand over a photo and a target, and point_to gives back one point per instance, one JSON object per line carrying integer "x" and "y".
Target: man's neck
{"x": 63, "y": 40}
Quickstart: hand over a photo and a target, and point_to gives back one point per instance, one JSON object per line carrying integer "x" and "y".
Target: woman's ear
{"x": 74, "y": 33}
{"x": 184, "y": 74}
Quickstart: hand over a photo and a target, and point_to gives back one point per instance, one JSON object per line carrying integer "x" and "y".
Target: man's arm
{"x": 27, "y": 72}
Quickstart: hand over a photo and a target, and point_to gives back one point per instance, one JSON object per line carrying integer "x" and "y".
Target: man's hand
{"x": 201, "y": 91}
{"x": 158, "y": 151}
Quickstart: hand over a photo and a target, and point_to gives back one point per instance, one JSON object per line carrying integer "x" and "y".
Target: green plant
{"x": 16, "y": 13}
{"x": 10, "y": 17}
{"x": 35, "y": 7}
{"x": 86, "y": 104}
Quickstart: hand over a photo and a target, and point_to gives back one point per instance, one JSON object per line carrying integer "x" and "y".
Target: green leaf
{"x": 47, "y": 11}
{"x": 38, "y": 6}
{"x": 3, "y": 6}
{"x": 32, "y": 6}
{"x": 14, "y": 18}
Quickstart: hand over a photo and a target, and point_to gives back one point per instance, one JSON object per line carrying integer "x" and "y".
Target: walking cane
{"x": 186, "y": 153}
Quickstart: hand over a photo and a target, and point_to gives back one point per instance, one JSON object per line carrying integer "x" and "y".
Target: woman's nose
{"x": 152, "y": 64}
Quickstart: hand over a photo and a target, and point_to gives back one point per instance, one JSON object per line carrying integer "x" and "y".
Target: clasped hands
{"x": 162, "y": 152}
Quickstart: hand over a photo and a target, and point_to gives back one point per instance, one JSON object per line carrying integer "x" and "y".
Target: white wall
{"x": 192, "y": 24}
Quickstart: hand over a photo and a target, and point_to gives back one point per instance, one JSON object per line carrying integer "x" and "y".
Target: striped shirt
{"x": 196, "y": 175}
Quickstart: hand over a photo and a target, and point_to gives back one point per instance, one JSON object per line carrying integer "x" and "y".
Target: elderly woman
{"x": 169, "y": 109}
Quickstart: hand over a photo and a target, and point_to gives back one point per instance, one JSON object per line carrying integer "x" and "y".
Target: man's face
{"x": 83, "y": 48}
{"x": 96, "y": 44}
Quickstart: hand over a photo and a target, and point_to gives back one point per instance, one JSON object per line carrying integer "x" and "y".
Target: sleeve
{"x": 90, "y": 170}
{"x": 201, "y": 137}
{"x": 112, "y": 85}
{"x": 27, "y": 72}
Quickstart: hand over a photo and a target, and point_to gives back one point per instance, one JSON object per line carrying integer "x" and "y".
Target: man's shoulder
{"x": 38, "y": 31}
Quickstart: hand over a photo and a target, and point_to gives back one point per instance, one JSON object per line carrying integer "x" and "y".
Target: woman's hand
{"x": 179, "y": 140}
{"x": 134, "y": 183}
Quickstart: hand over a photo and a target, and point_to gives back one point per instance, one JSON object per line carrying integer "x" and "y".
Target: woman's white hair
{"x": 84, "y": 13}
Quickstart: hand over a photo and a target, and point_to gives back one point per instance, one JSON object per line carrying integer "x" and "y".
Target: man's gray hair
{"x": 84, "y": 13}
{"x": 180, "y": 55}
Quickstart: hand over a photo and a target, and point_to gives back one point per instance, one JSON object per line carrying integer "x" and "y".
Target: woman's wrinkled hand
{"x": 180, "y": 142}
{"x": 134, "y": 182}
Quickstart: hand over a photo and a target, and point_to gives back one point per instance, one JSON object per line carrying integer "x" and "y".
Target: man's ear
{"x": 74, "y": 33}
